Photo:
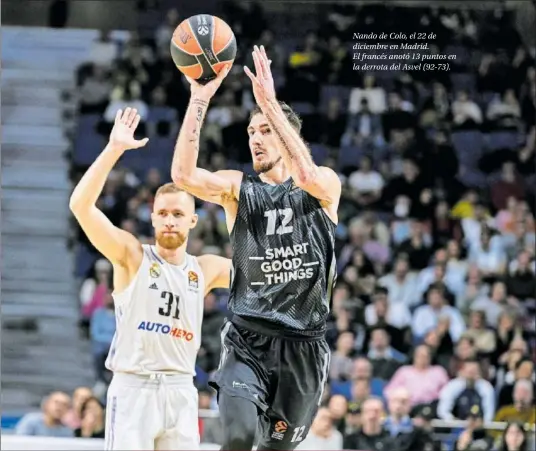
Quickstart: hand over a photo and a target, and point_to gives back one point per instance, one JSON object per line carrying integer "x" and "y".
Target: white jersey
{"x": 159, "y": 317}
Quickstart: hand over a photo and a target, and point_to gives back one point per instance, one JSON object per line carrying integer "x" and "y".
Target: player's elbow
{"x": 76, "y": 205}
{"x": 181, "y": 179}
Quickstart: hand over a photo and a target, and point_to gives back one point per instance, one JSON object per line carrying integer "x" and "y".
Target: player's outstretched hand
{"x": 206, "y": 92}
{"x": 262, "y": 80}
{"x": 122, "y": 135}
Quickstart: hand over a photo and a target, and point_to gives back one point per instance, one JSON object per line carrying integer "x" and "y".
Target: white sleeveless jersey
{"x": 159, "y": 317}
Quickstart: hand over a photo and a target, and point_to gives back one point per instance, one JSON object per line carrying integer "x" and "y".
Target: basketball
{"x": 201, "y": 45}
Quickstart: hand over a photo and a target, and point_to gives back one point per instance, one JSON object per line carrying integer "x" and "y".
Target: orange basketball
{"x": 201, "y": 45}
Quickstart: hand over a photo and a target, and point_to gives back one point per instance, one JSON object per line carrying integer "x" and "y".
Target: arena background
{"x": 449, "y": 196}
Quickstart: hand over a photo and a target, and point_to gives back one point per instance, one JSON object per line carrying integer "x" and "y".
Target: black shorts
{"x": 284, "y": 377}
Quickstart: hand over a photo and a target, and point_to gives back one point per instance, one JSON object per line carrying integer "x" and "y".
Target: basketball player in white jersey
{"x": 158, "y": 294}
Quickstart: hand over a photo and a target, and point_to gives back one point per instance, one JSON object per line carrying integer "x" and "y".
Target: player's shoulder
{"x": 233, "y": 175}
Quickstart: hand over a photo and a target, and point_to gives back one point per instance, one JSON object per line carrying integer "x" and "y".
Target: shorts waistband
{"x": 154, "y": 379}
{"x": 287, "y": 334}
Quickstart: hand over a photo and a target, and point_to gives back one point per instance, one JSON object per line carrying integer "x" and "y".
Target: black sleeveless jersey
{"x": 283, "y": 258}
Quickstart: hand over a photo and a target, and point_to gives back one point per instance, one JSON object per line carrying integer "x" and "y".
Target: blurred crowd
{"x": 433, "y": 313}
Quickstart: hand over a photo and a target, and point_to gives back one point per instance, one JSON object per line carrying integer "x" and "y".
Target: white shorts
{"x": 159, "y": 412}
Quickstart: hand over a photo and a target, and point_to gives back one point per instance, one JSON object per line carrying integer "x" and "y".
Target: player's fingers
{"x": 132, "y": 117}
{"x": 118, "y": 116}
{"x": 126, "y": 114}
{"x": 135, "y": 122}
{"x": 191, "y": 81}
{"x": 223, "y": 73}
{"x": 249, "y": 74}
{"x": 263, "y": 52}
{"x": 258, "y": 66}
{"x": 141, "y": 142}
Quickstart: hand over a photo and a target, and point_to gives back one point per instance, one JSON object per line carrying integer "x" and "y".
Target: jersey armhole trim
{"x": 131, "y": 283}
{"x": 240, "y": 197}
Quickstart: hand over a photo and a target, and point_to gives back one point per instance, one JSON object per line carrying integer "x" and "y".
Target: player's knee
{"x": 239, "y": 418}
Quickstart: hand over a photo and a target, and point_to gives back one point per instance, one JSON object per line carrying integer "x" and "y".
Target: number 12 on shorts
{"x": 297, "y": 436}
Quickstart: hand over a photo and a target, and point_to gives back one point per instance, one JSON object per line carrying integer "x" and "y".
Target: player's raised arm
{"x": 111, "y": 241}
{"x": 218, "y": 187}
{"x": 321, "y": 182}
{"x": 217, "y": 271}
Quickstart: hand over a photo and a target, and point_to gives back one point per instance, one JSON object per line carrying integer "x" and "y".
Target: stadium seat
{"x": 469, "y": 146}
{"x": 502, "y": 140}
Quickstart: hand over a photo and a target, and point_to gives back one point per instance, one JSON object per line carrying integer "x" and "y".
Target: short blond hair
{"x": 168, "y": 188}
{"x": 171, "y": 188}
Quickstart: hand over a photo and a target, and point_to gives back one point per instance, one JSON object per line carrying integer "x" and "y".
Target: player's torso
{"x": 283, "y": 256}
{"x": 159, "y": 317}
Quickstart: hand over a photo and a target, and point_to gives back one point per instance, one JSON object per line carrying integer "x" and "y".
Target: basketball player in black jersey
{"x": 274, "y": 361}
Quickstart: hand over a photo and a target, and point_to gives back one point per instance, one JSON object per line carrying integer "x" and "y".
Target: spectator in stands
{"x": 398, "y": 423}
{"x": 399, "y": 115}
{"x": 338, "y": 406}
{"x": 341, "y": 360}
{"x": 366, "y": 184}
{"x": 468, "y": 389}
{"x": 466, "y": 113}
{"x": 413, "y": 185}
{"x": 323, "y": 435}
{"x": 474, "y": 288}
{"x": 164, "y": 32}
{"x": 364, "y": 129}
{"x": 514, "y": 438}
{"x": 95, "y": 91}
{"x": 488, "y": 254}
{"x": 509, "y": 185}
{"x": 92, "y": 424}
{"x": 385, "y": 359}
{"x": 372, "y": 436}
{"x": 94, "y": 289}
{"x": 209, "y": 352}
{"x": 103, "y": 50}
{"x": 333, "y": 124}
{"x": 523, "y": 409}
{"x": 416, "y": 247}
{"x": 423, "y": 381}
{"x": 465, "y": 350}
{"x": 513, "y": 351}
{"x": 352, "y": 421}
{"x": 524, "y": 370}
{"x": 401, "y": 284}
{"x": 360, "y": 390}
{"x": 483, "y": 337}
{"x": 521, "y": 281}
{"x": 373, "y": 94}
{"x": 474, "y": 437}
{"x": 394, "y": 317}
{"x": 494, "y": 304}
{"x": 47, "y": 423}
{"x": 445, "y": 228}
{"x": 505, "y": 113}
{"x": 102, "y": 332}
{"x": 73, "y": 416}
{"x": 437, "y": 314}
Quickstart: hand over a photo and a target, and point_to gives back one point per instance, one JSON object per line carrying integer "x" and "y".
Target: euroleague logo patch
{"x": 202, "y": 30}
{"x": 193, "y": 279}
{"x": 279, "y": 430}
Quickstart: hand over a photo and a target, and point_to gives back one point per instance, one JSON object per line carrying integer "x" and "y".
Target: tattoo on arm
{"x": 201, "y": 106}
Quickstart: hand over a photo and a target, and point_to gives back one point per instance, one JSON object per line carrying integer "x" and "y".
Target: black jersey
{"x": 283, "y": 258}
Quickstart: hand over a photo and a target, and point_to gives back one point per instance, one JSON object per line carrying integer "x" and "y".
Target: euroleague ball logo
{"x": 281, "y": 426}
{"x": 202, "y": 30}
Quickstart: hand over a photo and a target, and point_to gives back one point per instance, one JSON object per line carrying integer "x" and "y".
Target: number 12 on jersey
{"x": 286, "y": 215}
{"x": 172, "y": 300}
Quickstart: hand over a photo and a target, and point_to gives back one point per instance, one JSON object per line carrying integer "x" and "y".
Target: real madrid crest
{"x": 155, "y": 271}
